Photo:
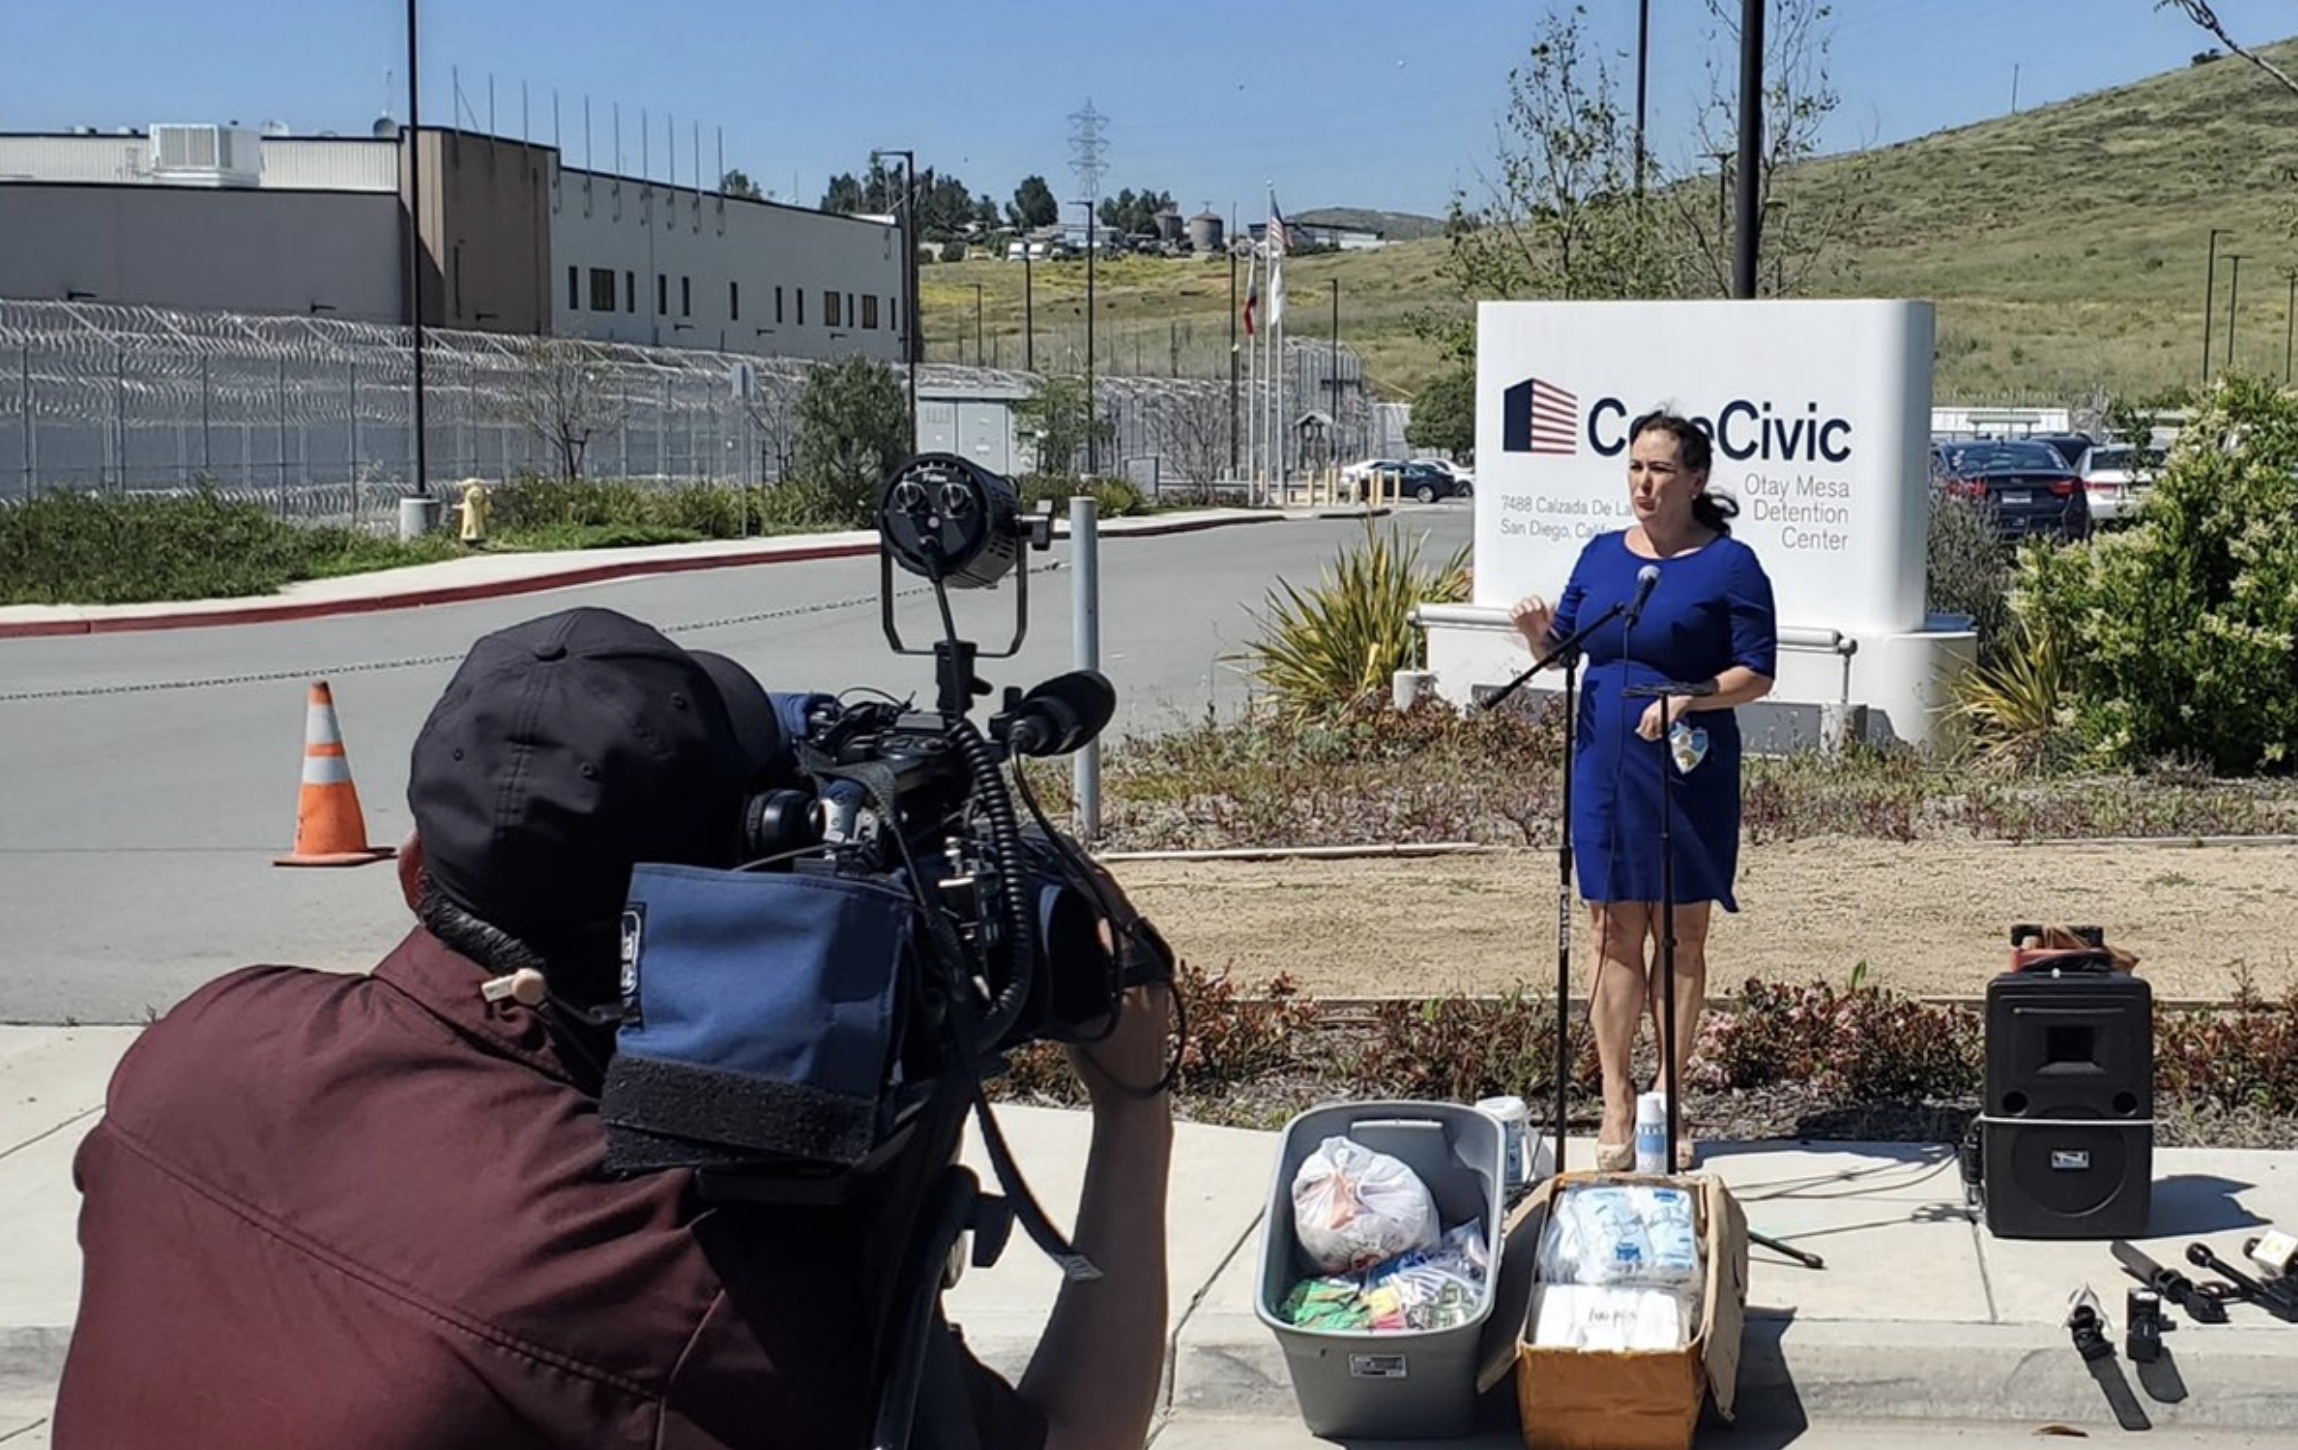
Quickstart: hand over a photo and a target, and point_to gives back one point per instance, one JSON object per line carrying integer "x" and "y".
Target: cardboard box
{"x": 1577, "y": 1399}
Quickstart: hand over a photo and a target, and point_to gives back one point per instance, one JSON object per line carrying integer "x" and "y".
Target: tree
{"x": 738, "y": 183}
{"x": 1573, "y": 212}
{"x": 853, "y": 427}
{"x": 1804, "y": 224}
{"x": 566, "y": 394}
{"x": 2201, "y": 14}
{"x": 1054, "y": 417}
{"x": 1134, "y": 213}
{"x": 1444, "y": 415}
{"x": 876, "y": 192}
{"x": 1033, "y": 205}
{"x": 1192, "y": 422}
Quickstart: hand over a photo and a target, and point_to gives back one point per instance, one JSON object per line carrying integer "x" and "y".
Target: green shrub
{"x": 1112, "y": 497}
{"x": 798, "y": 506}
{"x": 1337, "y": 644}
{"x": 712, "y": 511}
{"x": 1966, "y": 570}
{"x": 1852, "y": 1045}
{"x": 2182, "y": 632}
{"x": 89, "y": 548}
{"x": 2245, "y": 1057}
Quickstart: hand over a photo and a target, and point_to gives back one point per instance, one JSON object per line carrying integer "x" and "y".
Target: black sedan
{"x": 2032, "y": 491}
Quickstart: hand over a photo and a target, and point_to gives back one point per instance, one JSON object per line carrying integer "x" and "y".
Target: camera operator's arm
{"x": 1097, "y": 1367}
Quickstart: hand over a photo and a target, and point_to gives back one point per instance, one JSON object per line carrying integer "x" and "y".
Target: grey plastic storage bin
{"x": 1387, "y": 1385}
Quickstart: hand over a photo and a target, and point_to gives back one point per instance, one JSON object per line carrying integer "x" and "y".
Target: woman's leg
{"x": 1691, "y": 984}
{"x": 1615, "y": 1004}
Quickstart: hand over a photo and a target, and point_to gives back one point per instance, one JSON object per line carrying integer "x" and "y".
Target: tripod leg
{"x": 1802, "y": 1256}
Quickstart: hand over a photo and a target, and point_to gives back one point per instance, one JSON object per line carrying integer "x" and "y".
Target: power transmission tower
{"x": 1086, "y": 144}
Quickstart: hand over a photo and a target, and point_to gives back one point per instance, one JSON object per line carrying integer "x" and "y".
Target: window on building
{"x": 602, "y": 289}
{"x": 801, "y": 306}
{"x": 831, "y": 316}
{"x": 870, "y": 313}
{"x": 574, "y": 289}
{"x": 661, "y": 294}
{"x": 894, "y": 310}
{"x": 686, "y": 296}
{"x": 630, "y": 292}
{"x": 734, "y": 301}
{"x": 777, "y": 306}
{"x": 853, "y": 313}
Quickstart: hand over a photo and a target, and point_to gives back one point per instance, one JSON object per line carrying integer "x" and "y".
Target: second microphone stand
{"x": 1668, "y": 1060}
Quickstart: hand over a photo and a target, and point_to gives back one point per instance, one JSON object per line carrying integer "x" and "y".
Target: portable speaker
{"x": 2067, "y": 1130}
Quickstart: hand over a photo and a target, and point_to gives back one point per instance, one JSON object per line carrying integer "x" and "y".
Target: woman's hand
{"x": 1662, "y": 713}
{"x": 1532, "y": 616}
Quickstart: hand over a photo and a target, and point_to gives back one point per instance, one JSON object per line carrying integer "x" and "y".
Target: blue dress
{"x": 1711, "y": 609}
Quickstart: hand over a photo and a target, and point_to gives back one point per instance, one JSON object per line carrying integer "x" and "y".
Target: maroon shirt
{"x": 353, "y": 1212}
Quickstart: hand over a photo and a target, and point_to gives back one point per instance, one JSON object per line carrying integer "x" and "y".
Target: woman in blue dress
{"x": 1708, "y": 620}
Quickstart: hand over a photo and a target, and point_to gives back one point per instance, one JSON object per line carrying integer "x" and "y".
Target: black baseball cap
{"x": 564, "y": 750}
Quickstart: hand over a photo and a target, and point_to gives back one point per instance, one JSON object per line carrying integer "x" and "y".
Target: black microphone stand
{"x": 1566, "y": 651}
{"x": 1668, "y": 1062}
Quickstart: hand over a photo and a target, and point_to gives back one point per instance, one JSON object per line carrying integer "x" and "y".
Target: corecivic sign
{"x": 1819, "y": 413}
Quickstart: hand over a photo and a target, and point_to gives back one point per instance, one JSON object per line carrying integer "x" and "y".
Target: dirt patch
{"x": 1928, "y": 918}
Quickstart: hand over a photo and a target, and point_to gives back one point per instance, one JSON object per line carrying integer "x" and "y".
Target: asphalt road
{"x": 147, "y": 779}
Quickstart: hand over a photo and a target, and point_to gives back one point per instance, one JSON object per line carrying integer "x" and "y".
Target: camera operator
{"x": 372, "y": 1211}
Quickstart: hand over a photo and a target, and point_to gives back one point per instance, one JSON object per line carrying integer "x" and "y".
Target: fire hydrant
{"x": 473, "y": 508}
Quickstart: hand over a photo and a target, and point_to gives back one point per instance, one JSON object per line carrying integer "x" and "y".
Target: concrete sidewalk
{"x": 1919, "y": 1314}
{"x": 488, "y": 575}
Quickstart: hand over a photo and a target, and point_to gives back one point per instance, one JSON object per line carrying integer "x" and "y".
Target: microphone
{"x": 1646, "y": 577}
{"x": 1061, "y": 714}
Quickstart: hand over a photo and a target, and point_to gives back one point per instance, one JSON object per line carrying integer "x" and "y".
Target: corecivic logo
{"x": 1537, "y": 416}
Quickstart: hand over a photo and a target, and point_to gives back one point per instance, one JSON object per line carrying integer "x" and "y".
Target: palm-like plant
{"x": 2009, "y": 708}
{"x": 1326, "y": 648}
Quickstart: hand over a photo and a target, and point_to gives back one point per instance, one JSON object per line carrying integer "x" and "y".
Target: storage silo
{"x": 1205, "y": 232}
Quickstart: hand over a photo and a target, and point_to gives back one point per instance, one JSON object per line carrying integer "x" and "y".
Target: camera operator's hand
{"x": 1123, "y": 1069}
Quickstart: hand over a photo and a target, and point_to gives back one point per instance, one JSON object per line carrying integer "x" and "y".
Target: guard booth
{"x": 1820, "y": 414}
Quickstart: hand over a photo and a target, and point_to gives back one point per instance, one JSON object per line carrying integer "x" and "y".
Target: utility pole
{"x": 1643, "y": 68}
{"x": 1745, "y": 245}
{"x": 1232, "y": 361}
{"x": 1028, "y": 310}
{"x": 977, "y": 324}
{"x": 2210, "y": 298}
{"x": 2233, "y": 296}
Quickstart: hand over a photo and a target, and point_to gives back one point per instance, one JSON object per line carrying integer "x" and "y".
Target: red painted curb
{"x": 495, "y": 589}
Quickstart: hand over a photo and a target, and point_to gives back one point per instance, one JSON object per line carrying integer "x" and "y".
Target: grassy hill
{"x": 2065, "y": 248}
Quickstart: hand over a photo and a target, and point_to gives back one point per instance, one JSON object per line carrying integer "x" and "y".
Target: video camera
{"x": 899, "y": 926}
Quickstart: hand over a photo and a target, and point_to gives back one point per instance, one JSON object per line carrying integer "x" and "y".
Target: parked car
{"x": 1461, "y": 473}
{"x": 1365, "y": 468}
{"x": 1427, "y": 482}
{"x": 2029, "y": 487}
{"x": 2116, "y": 477}
{"x": 2069, "y": 446}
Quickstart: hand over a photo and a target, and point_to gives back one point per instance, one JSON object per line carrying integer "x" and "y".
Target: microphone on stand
{"x": 1646, "y": 578}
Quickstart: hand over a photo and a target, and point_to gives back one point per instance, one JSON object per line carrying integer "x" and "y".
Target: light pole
{"x": 912, "y": 336}
{"x": 2210, "y": 297}
{"x": 977, "y": 324}
{"x": 1643, "y": 67}
{"x": 1092, "y": 419}
{"x": 1232, "y": 358}
{"x": 415, "y": 248}
{"x": 1028, "y": 310}
{"x": 1334, "y": 382}
{"x": 2233, "y": 297}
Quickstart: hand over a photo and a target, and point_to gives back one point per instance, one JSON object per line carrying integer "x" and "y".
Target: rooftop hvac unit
{"x": 207, "y": 155}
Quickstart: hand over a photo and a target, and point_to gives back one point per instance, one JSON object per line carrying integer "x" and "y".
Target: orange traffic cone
{"x": 329, "y": 830}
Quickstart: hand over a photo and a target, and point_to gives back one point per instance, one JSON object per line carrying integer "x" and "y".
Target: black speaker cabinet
{"x": 2067, "y": 1129}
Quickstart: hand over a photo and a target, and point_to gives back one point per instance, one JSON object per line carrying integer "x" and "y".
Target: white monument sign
{"x": 1819, "y": 413}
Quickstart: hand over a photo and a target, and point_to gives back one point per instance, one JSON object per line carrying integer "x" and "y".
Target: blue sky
{"x": 1342, "y": 102}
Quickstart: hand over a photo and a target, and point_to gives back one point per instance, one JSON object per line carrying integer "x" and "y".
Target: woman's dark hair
{"x": 1712, "y": 510}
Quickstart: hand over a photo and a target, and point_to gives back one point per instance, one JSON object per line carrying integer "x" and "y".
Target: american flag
{"x": 1279, "y": 239}
{"x": 1555, "y": 419}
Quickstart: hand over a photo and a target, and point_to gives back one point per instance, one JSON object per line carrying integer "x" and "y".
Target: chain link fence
{"x": 315, "y": 416}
